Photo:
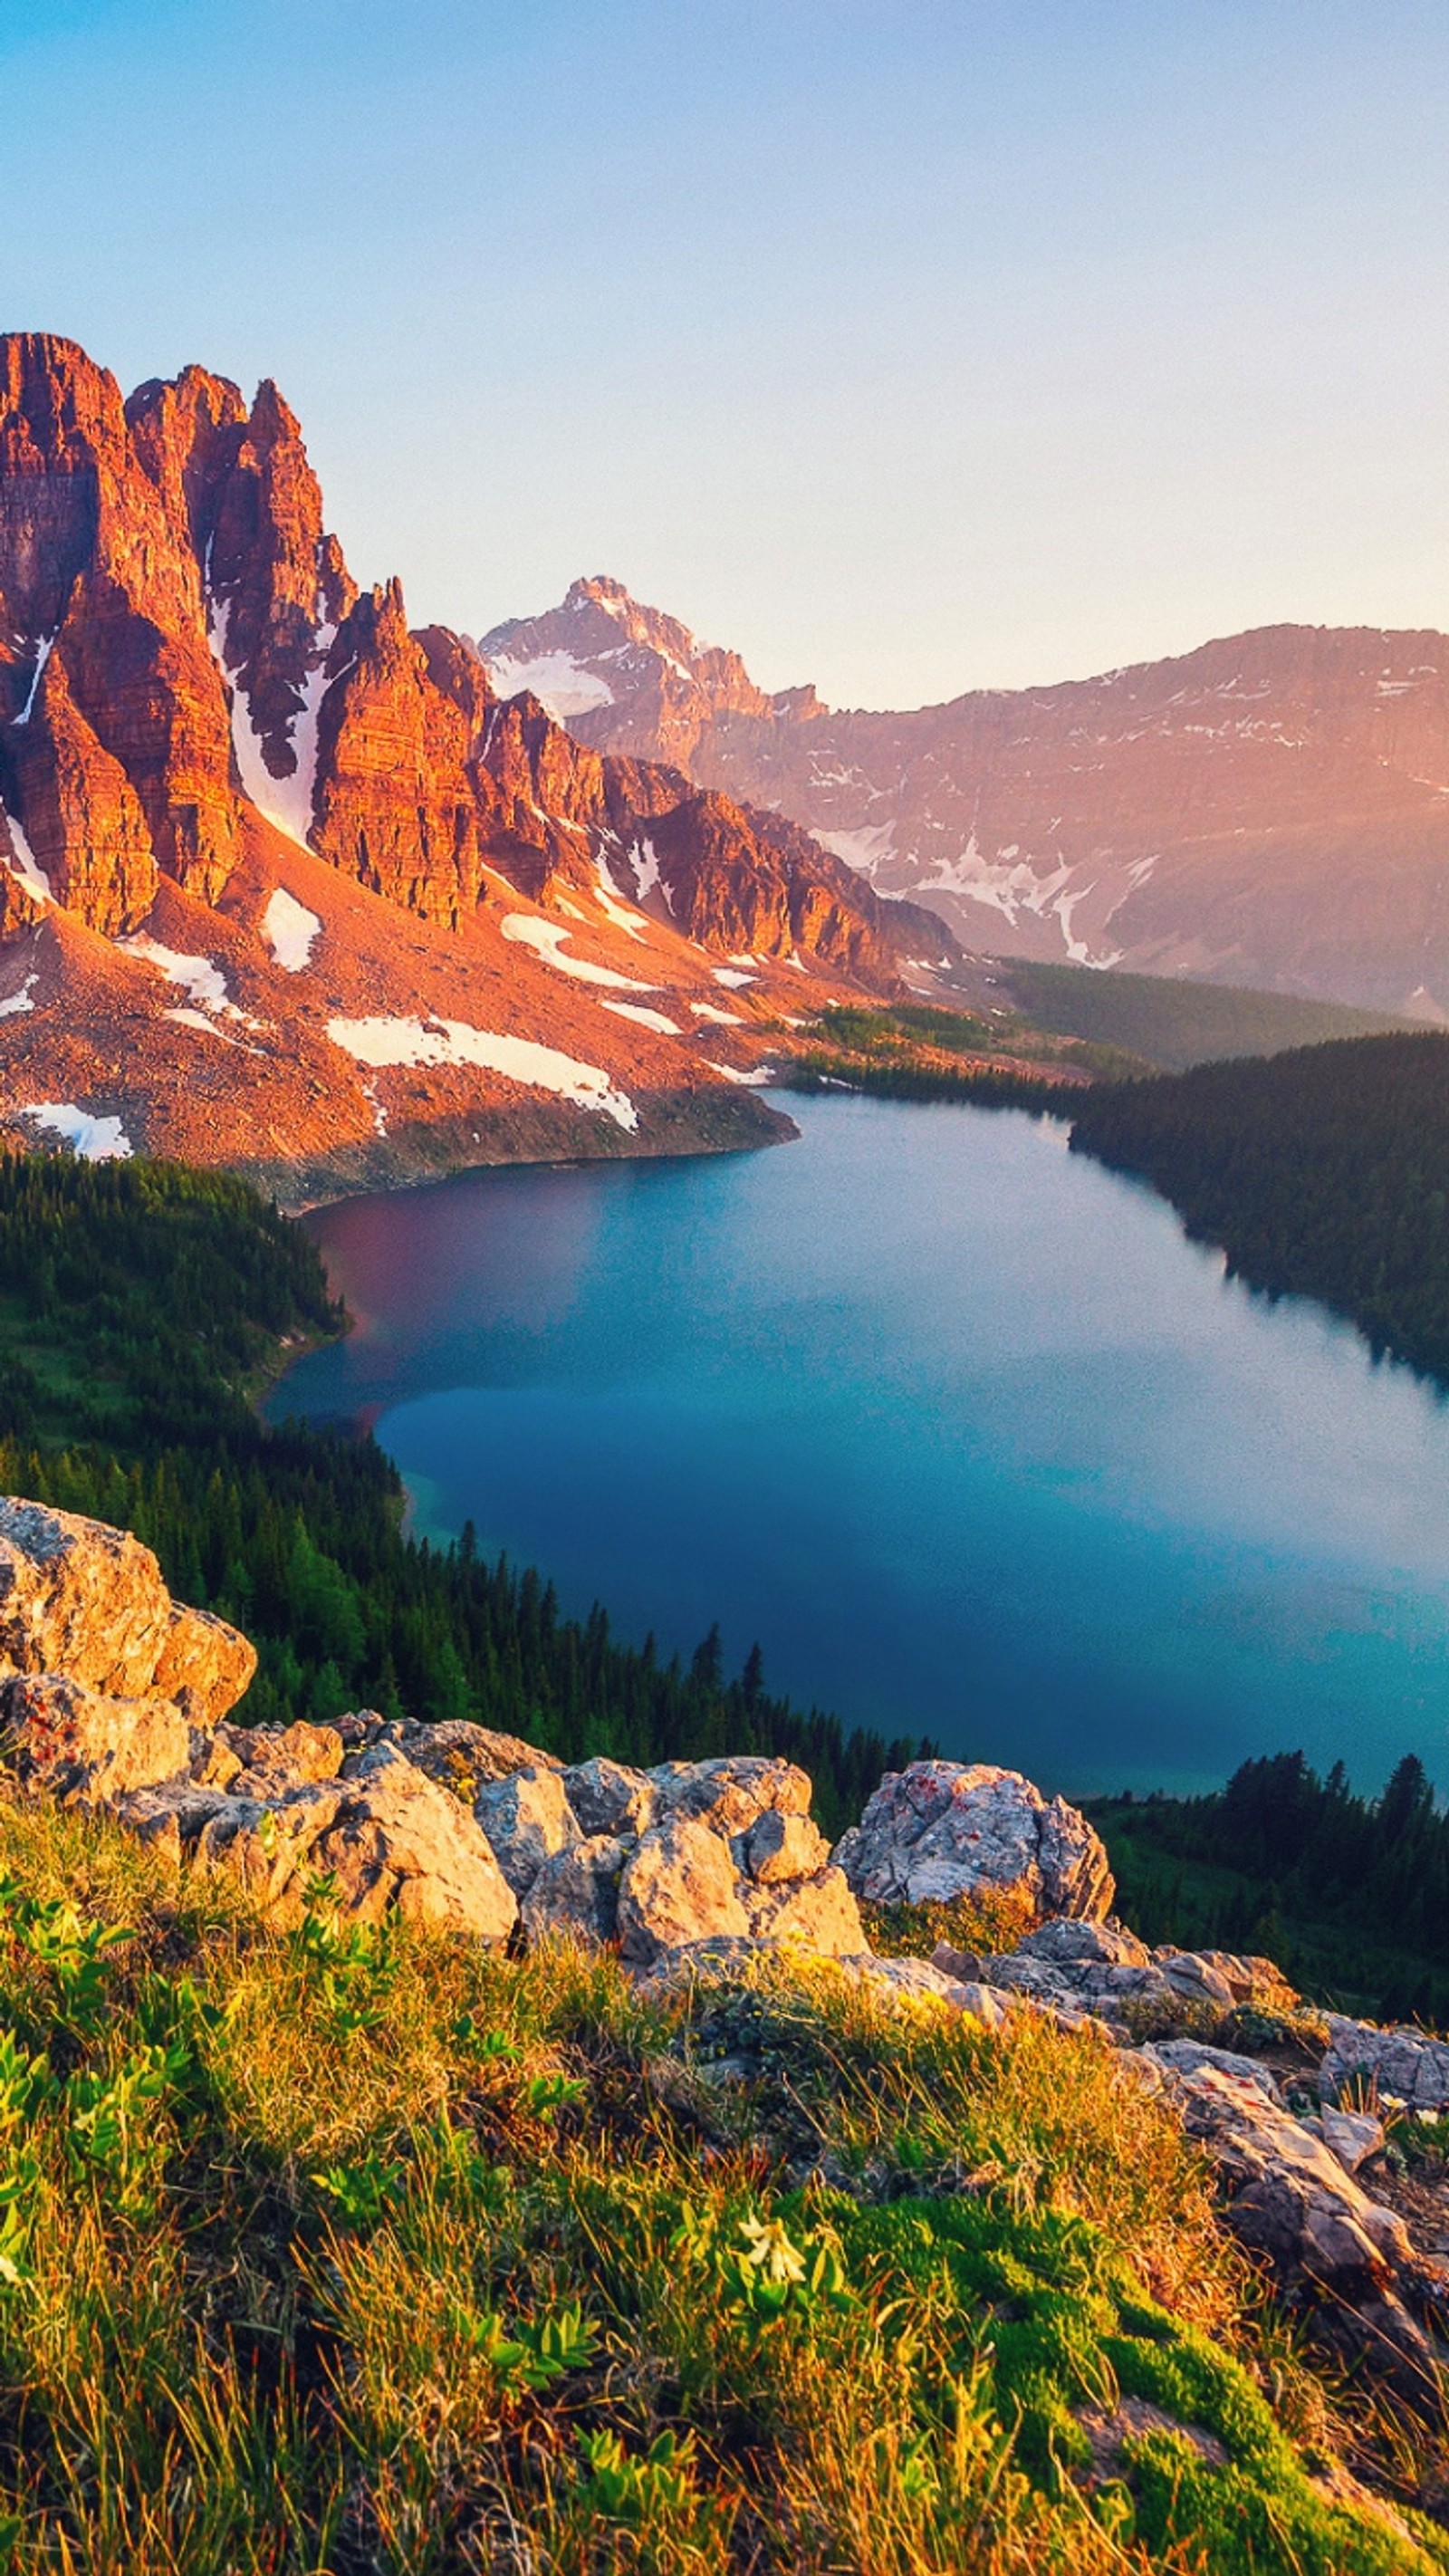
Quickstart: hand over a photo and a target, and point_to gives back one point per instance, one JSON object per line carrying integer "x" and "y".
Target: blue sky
{"x": 907, "y": 347}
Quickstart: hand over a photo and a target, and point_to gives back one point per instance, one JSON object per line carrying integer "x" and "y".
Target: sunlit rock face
{"x": 286, "y": 884}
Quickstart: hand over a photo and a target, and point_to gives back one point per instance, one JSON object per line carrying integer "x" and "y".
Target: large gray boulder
{"x": 730, "y": 1793}
{"x": 717, "y": 1863}
{"x": 609, "y": 1798}
{"x": 575, "y": 1896}
{"x": 941, "y": 1830}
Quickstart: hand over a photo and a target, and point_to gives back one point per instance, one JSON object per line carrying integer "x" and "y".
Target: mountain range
{"x": 1270, "y": 810}
{"x": 287, "y": 884}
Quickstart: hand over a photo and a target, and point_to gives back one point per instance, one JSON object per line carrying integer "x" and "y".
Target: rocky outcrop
{"x": 693, "y": 1852}
{"x": 1102, "y": 1968}
{"x": 113, "y": 1695}
{"x": 85, "y": 1601}
{"x": 1331, "y": 2247}
{"x": 1405, "y": 2067}
{"x": 941, "y": 1830}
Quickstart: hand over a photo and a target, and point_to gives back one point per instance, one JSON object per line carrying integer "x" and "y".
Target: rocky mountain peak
{"x": 626, "y": 676}
{"x": 225, "y": 774}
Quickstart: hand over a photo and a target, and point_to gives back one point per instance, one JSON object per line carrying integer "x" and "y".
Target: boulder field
{"x": 115, "y": 1698}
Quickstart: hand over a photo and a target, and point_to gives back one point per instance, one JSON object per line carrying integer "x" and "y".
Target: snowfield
{"x": 545, "y": 938}
{"x": 385, "y": 1042}
{"x": 560, "y": 684}
{"x": 96, "y": 1140}
{"x": 201, "y": 977}
{"x": 290, "y": 931}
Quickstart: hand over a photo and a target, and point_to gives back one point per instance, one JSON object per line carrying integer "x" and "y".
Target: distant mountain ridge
{"x": 1271, "y": 809}
{"x": 287, "y": 884}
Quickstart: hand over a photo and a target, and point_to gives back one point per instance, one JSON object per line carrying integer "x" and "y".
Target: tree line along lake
{"x": 956, "y": 1425}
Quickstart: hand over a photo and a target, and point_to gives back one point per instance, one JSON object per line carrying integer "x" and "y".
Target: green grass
{"x": 1170, "y": 1022}
{"x": 915, "y": 1051}
{"x": 377, "y": 2252}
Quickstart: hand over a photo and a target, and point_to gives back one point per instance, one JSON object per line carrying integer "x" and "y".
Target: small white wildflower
{"x": 769, "y": 2251}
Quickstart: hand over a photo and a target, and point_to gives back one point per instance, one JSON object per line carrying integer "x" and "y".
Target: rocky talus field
{"x": 417, "y": 2154}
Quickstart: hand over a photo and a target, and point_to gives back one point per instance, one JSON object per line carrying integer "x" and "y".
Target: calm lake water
{"x": 956, "y": 1424}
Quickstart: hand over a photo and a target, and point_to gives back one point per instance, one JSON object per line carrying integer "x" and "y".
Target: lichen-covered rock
{"x": 272, "y": 1758}
{"x": 455, "y": 1752}
{"x": 731, "y": 1793}
{"x": 576, "y": 1894}
{"x": 527, "y": 1819}
{"x": 1406, "y": 2065}
{"x": 941, "y": 1830}
{"x": 88, "y": 1601}
{"x": 83, "y": 1747}
{"x": 678, "y": 1886}
{"x": 780, "y": 1847}
{"x": 608, "y": 1797}
{"x": 818, "y": 1913}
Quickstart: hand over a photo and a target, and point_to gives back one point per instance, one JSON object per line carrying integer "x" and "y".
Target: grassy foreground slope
{"x": 142, "y": 1306}
{"x": 1171, "y": 1022}
{"x": 382, "y": 2255}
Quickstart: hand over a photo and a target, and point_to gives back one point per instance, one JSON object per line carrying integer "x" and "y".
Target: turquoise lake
{"x": 956, "y": 1424}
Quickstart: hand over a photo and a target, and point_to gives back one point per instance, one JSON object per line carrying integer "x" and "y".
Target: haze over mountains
{"x": 284, "y": 884}
{"x": 1272, "y": 809}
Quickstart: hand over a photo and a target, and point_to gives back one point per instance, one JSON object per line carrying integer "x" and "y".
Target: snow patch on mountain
{"x": 25, "y": 865}
{"x": 94, "y": 1139}
{"x": 647, "y": 1019}
{"x": 290, "y": 931}
{"x": 21, "y": 1000}
{"x": 285, "y": 803}
{"x": 560, "y": 684}
{"x": 394, "y": 1042}
{"x": 201, "y": 977}
{"x": 546, "y": 939}
{"x": 42, "y": 656}
{"x": 867, "y": 848}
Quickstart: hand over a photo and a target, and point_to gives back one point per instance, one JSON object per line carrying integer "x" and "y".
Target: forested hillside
{"x": 142, "y": 1307}
{"x": 1172, "y": 1021}
{"x": 1349, "y": 1894}
{"x": 1324, "y": 1172}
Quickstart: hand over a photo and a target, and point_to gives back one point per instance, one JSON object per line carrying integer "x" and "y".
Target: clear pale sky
{"x": 905, "y": 346}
